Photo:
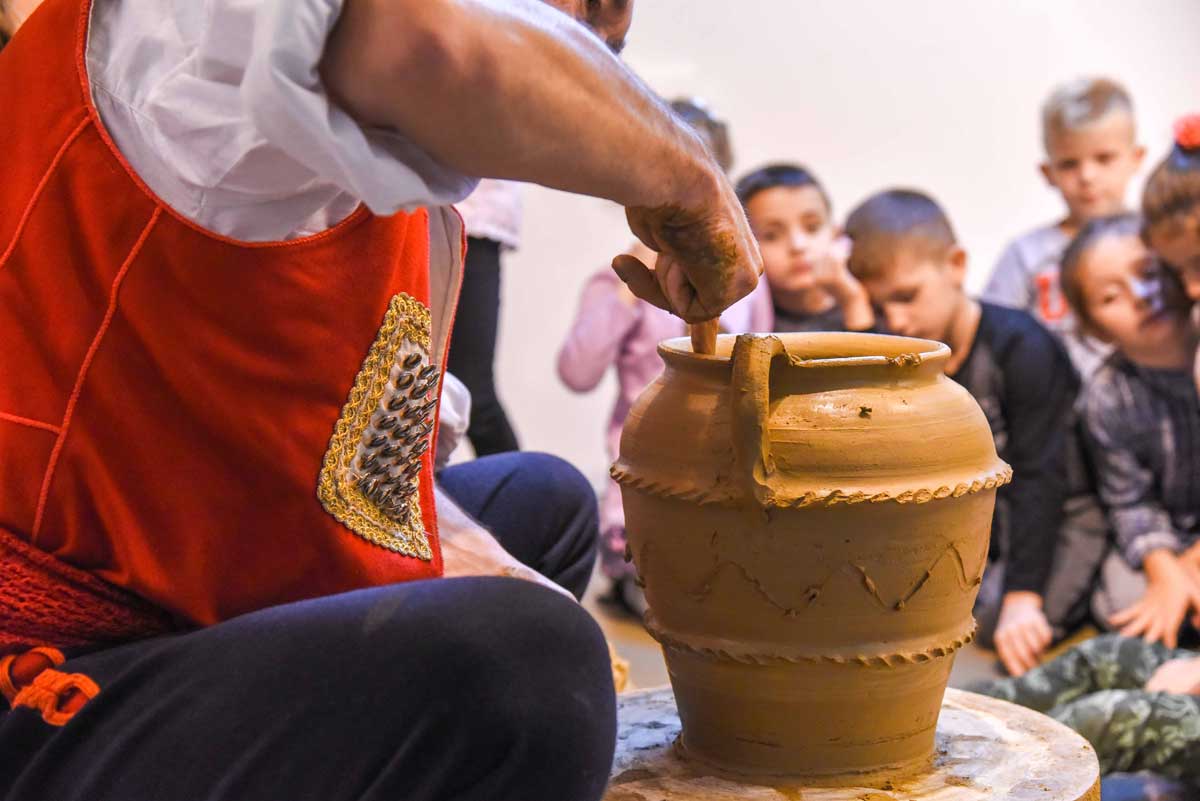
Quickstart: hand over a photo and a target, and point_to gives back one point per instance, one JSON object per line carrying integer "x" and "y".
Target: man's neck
{"x": 960, "y": 336}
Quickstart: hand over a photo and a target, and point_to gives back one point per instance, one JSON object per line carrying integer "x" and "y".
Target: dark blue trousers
{"x": 480, "y": 689}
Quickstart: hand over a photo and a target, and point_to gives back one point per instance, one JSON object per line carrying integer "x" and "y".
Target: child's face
{"x": 1126, "y": 301}
{"x": 793, "y": 229}
{"x": 916, "y": 293}
{"x": 1177, "y": 241}
{"x": 1092, "y": 166}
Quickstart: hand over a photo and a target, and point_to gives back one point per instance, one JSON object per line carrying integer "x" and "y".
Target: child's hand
{"x": 1179, "y": 676}
{"x": 830, "y": 271}
{"x": 1023, "y": 633}
{"x": 1192, "y": 556}
{"x": 1171, "y": 593}
{"x": 831, "y": 274}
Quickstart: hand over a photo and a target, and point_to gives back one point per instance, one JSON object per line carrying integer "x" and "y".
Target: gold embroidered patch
{"x": 370, "y": 478}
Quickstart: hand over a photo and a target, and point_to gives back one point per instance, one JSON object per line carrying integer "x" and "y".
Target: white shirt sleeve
{"x": 218, "y": 106}
{"x": 454, "y": 418}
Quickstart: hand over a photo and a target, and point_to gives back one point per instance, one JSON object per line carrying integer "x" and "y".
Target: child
{"x": 1137, "y": 703}
{"x": 804, "y": 255}
{"x": 614, "y": 329}
{"x": 908, "y": 259}
{"x": 1142, "y": 417}
{"x": 1171, "y": 207}
{"x": 1091, "y": 155}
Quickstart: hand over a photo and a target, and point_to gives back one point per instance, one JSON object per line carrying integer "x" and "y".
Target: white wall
{"x": 942, "y": 95}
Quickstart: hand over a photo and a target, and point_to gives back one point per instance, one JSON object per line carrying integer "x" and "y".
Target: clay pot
{"x": 809, "y": 514}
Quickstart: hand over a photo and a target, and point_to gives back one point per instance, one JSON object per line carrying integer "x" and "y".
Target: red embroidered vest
{"x": 191, "y": 427}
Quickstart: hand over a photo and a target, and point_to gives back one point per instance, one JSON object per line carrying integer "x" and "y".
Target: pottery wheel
{"x": 986, "y": 750}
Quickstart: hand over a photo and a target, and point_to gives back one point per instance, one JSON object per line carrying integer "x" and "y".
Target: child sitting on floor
{"x": 615, "y": 329}
{"x": 804, "y": 254}
{"x": 1142, "y": 416}
{"x": 1045, "y": 552}
{"x": 1092, "y": 154}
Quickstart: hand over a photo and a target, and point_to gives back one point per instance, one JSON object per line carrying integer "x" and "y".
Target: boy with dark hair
{"x": 908, "y": 259}
{"x": 1092, "y": 154}
{"x": 804, "y": 252}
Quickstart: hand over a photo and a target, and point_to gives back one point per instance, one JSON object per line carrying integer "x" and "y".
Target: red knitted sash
{"x": 44, "y": 601}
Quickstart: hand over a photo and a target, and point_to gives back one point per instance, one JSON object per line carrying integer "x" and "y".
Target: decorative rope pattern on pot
{"x": 889, "y": 660}
{"x": 719, "y": 495}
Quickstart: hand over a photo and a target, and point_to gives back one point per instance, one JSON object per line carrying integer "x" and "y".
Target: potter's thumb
{"x": 640, "y": 280}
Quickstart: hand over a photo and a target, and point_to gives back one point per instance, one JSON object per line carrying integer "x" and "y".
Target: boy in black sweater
{"x": 1047, "y": 545}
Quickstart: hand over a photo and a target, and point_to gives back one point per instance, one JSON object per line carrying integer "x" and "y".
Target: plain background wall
{"x": 941, "y": 95}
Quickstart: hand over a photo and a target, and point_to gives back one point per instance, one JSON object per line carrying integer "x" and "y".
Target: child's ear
{"x": 1139, "y": 155}
{"x": 1046, "y": 169}
{"x": 956, "y": 261}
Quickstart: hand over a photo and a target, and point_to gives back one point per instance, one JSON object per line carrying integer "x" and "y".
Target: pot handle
{"x": 750, "y": 403}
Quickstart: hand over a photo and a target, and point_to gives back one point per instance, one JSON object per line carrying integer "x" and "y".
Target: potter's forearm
{"x": 513, "y": 89}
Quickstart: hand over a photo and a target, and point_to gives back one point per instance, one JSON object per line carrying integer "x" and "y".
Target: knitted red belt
{"x": 44, "y": 601}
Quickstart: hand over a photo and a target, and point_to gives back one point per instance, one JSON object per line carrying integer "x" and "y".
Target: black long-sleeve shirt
{"x": 1023, "y": 379}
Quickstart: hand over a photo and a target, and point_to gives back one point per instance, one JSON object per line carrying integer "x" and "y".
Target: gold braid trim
{"x": 406, "y": 320}
{"x": 725, "y": 497}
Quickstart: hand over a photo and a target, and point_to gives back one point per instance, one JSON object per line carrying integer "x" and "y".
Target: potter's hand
{"x": 706, "y": 256}
{"x": 1023, "y": 634}
{"x": 468, "y": 549}
{"x": 1171, "y": 592}
{"x": 831, "y": 273}
{"x": 1180, "y": 676}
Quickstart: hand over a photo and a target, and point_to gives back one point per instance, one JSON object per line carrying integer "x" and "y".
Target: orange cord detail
{"x": 29, "y": 680}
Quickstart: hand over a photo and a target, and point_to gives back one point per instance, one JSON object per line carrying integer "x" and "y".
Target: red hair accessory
{"x": 1187, "y": 132}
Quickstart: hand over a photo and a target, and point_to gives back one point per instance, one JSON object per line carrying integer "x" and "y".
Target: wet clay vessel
{"x": 809, "y": 514}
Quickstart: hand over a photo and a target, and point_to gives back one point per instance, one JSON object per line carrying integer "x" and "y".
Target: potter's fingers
{"x": 680, "y": 291}
{"x": 640, "y": 280}
{"x": 640, "y": 225}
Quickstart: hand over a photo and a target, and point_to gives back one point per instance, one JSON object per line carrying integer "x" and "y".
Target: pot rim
{"x": 895, "y": 350}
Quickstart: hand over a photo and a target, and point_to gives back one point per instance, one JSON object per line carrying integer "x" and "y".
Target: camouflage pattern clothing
{"x": 1096, "y": 689}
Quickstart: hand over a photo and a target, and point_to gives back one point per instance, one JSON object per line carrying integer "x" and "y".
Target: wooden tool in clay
{"x": 704, "y": 336}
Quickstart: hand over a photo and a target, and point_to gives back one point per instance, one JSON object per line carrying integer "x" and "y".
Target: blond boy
{"x": 1092, "y": 154}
